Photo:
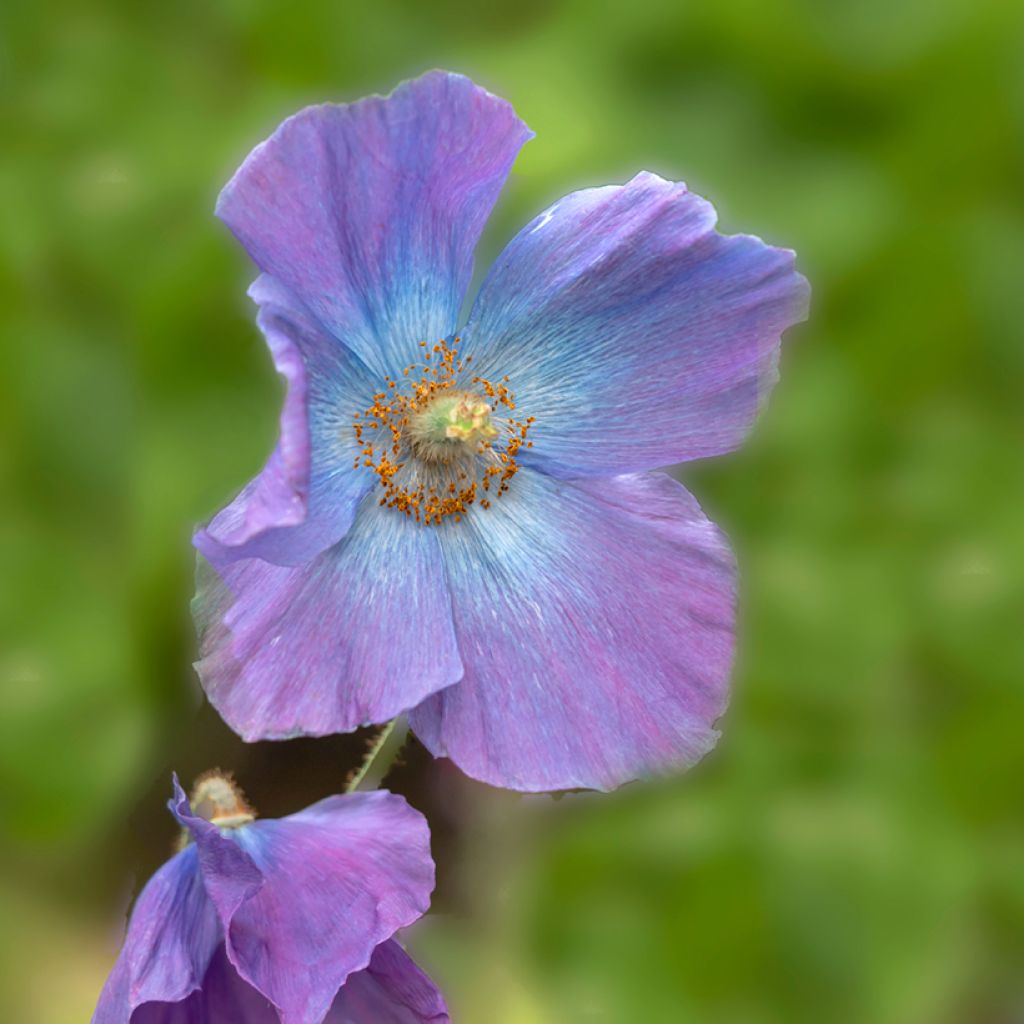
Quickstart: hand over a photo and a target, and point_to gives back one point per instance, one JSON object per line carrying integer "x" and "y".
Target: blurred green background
{"x": 854, "y": 849}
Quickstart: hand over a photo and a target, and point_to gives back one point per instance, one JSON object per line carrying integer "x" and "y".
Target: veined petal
{"x": 172, "y": 935}
{"x": 370, "y": 211}
{"x": 635, "y": 333}
{"x": 392, "y": 990}
{"x": 596, "y": 625}
{"x": 305, "y": 498}
{"x": 340, "y": 877}
{"x": 360, "y": 634}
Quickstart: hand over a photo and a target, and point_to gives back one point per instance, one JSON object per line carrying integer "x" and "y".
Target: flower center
{"x": 447, "y": 420}
{"x": 217, "y": 798}
{"x": 441, "y": 442}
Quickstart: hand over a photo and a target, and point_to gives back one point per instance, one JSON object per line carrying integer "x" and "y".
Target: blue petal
{"x": 360, "y": 634}
{"x": 633, "y": 332}
{"x": 596, "y": 624}
{"x": 370, "y": 212}
{"x": 306, "y": 497}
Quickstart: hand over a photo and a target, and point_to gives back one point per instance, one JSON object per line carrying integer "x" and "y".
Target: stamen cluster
{"x": 218, "y": 798}
{"x": 432, "y": 441}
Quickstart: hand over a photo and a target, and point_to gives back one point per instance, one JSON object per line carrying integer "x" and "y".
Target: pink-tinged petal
{"x": 359, "y": 635}
{"x": 340, "y": 877}
{"x": 635, "y": 333}
{"x": 306, "y": 496}
{"x": 392, "y": 990}
{"x": 369, "y": 212}
{"x": 172, "y": 935}
{"x": 596, "y": 625}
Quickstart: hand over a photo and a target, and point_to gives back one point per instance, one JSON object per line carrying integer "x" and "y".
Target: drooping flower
{"x": 290, "y": 920}
{"x": 463, "y": 524}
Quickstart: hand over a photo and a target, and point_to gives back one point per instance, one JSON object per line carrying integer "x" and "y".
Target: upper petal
{"x": 172, "y": 934}
{"x": 370, "y": 211}
{"x": 360, "y": 634}
{"x": 340, "y": 877}
{"x": 633, "y": 332}
{"x": 596, "y": 626}
{"x": 305, "y": 498}
{"x": 392, "y": 990}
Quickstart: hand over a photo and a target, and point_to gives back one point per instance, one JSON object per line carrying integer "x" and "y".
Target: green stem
{"x": 379, "y": 746}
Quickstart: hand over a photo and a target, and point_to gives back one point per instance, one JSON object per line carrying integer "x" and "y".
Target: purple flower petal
{"x": 595, "y": 622}
{"x": 172, "y": 934}
{"x": 230, "y": 875}
{"x": 392, "y": 990}
{"x": 338, "y": 879}
{"x": 357, "y": 636}
{"x": 223, "y": 999}
{"x": 306, "y": 497}
{"x": 369, "y": 212}
{"x": 634, "y": 333}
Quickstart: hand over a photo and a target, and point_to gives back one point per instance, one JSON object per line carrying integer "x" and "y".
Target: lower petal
{"x": 224, "y": 996}
{"x": 596, "y": 626}
{"x": 360, "y": 634}
{"x": 392, "y": 990}
{"x": 171, "y": 938}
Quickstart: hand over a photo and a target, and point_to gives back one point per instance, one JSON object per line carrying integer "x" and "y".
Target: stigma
{"x": 441, "y": 440}
{"x": 447, "y": 421}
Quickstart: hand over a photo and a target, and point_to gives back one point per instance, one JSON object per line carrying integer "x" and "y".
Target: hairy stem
{"x": 380, "y": 755}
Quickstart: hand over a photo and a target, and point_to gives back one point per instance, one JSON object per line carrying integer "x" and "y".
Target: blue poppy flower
{"x": 463, "y": 524}
{"x": 290, "y": 920}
